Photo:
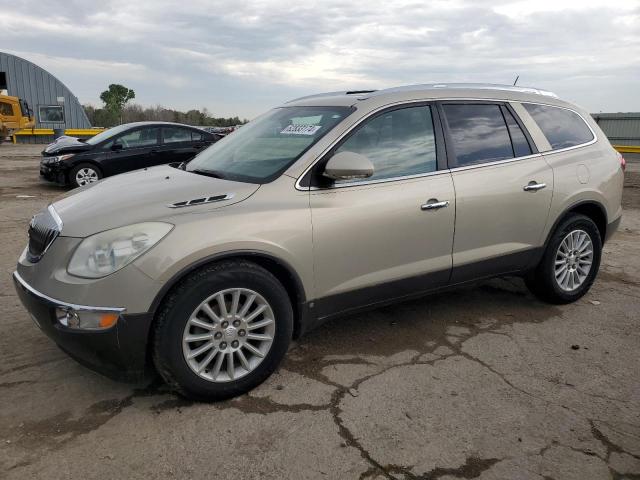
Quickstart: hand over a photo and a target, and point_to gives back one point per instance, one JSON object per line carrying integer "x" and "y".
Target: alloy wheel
{"x": 228, "y": 335}
{"x": 573, "y": 260}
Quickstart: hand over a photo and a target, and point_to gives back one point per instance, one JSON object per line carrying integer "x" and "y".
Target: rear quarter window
{"x": 562, "y": 127}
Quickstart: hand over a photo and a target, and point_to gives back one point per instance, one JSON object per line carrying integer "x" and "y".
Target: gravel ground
{"x": 483, "y": 382}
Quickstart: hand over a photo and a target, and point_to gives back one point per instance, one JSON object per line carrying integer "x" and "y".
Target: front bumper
{"x": 119, "y": 352}
{"x": 53, "y": 173}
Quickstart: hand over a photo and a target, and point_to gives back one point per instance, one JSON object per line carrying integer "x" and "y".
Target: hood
{"x": 67, "y": 145}
{"x": 144, "y": 195}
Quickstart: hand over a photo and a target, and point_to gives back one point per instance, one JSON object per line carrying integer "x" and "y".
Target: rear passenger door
{"x": 503, "y": 189}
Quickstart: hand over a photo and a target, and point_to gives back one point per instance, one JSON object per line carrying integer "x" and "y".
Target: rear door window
{"x": 478, "y": 132}
{"x": 562, "y": 127}
{"x": 197, "y": 136}
{"x": 175, "y": 135}
{"x": 144, "y": 137}
{"x": 521, "y": 146}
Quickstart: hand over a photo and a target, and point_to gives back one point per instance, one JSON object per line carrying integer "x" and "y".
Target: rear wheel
{"x": 570, "y": 262}
{"x": 222, "y": 331}
{"x": 84, "y": 174}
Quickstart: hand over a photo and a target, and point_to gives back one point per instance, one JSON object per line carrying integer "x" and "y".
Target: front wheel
{"x": 84, "y": 174}
{"x": 570, "y": 262}
{"x": 222, "y": 331}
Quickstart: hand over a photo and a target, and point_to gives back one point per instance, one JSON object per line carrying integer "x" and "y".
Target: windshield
{"x": 107, "y": 134}
{"x": 261, "y": 150}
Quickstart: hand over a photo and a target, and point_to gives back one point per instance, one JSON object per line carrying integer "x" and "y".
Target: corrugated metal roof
{"x": 39, "y": 88}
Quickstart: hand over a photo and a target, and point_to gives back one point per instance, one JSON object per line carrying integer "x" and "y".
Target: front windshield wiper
{"x": 208, "y": 173}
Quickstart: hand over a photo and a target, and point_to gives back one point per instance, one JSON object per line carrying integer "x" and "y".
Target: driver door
{"x": 133, "y": 150}
{"x": 381, "y": 238}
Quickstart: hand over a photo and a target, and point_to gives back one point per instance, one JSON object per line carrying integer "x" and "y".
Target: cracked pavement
{"x": 482, "y": 382}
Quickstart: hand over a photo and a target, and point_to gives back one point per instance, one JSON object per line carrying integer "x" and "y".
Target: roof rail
{"x": 333, "y": 94}
{"x": 478, "y": 86}
{"x": 432, "y": 86}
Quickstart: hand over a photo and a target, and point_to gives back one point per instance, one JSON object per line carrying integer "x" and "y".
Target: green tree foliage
{"x": 116, "y": 97}
{"x": 103, "y": 117}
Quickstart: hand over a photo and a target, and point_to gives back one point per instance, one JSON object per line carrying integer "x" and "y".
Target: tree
{"x": 116, "y": 97}
{"x": 105, "y": 117}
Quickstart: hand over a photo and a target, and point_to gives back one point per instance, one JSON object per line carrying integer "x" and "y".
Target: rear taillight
{"x": 623, "y": 162}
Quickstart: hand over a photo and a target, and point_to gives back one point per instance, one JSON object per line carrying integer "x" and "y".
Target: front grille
{"x": 43, "y": 230}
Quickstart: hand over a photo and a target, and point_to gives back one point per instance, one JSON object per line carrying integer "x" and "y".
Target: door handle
{"x": 434, "y": 204}
{"x": 534, "y": 186}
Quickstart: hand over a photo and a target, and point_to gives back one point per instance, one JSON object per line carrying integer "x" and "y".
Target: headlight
{"x": 106, "y": 252}
{"x": 59, "y": 158}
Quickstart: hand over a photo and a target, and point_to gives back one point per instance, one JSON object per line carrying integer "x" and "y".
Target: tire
{"x": 90, "y": 172}
{"x": 183, "y": 311}
{"x": 548, "y": 282}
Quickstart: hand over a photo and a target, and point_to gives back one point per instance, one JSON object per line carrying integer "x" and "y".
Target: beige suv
{"x": 327, "y": 204}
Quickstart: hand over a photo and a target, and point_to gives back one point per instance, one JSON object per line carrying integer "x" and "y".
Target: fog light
{"x": 86, "y": 320}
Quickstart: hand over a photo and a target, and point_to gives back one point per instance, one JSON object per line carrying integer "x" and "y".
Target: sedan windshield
{"x": 261, "y": 150}
{"x": 110, "y": 132}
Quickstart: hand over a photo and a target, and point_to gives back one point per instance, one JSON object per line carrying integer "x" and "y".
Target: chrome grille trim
{"x": 44, "y": 228}
{"x": 202, "y": 200}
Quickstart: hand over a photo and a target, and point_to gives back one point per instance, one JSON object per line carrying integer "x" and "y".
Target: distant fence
{"x": 622, "y": 130}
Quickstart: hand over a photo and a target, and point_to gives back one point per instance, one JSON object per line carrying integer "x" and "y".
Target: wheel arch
{"x": 590, "y": 208}
{"x": 279, "y": 268}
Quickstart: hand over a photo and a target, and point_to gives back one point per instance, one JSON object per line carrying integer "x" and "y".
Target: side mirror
{"x": 116, "y": 146}
{"x": 348, "y": 166}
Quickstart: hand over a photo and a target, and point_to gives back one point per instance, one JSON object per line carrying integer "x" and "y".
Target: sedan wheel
{"x": 85, "y": 176}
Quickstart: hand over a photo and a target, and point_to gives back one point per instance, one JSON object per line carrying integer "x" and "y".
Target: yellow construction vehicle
{"x": 15, "y": 115}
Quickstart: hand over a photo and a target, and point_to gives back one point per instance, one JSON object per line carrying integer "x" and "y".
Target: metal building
{"x": 53, "y": 104}
{"x": 620, "y": 128}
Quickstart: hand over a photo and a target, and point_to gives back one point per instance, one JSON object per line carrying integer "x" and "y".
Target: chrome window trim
{"x": 496, "y": 162}
{"x": 59, "y": 303}
{"x": 580, "y": 145}
{"x": 448, "y": 170}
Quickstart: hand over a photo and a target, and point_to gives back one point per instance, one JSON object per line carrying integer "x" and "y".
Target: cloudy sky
{"x": 242, "y": 57}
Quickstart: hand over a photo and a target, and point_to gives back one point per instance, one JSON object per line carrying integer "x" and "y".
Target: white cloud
{"x": 244, "y": 57}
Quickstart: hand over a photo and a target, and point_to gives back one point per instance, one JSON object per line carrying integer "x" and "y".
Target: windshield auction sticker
{"x": 301, "y": 129}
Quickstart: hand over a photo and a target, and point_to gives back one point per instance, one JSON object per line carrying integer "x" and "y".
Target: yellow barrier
{"x": 627, "y": 148}
{"x": 74, "y": 132}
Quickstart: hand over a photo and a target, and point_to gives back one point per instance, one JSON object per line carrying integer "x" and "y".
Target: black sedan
{"x": 71, "y": 161}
